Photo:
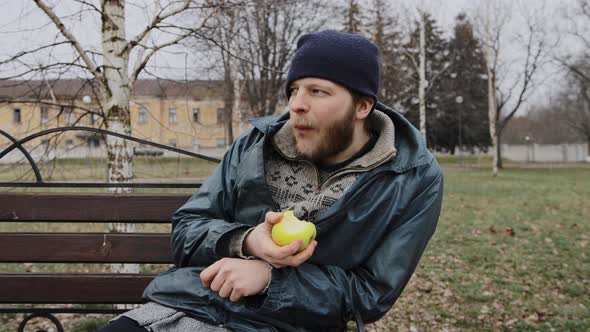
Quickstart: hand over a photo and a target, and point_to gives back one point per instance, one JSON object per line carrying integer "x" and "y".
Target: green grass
{"x": 94, "y": 169}
{"x": 511, "y": 253}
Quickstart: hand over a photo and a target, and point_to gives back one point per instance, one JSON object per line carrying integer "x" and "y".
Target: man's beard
{"x": 336, "y": 138}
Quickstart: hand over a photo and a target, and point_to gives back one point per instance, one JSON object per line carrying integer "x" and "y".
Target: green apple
{"x": 290, "y": 229}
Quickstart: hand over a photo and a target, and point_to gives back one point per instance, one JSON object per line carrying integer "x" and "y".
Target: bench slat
{"x": 96, "y": 207}
{"x": 73, "y": 288}
{"x": 85, "y": 247}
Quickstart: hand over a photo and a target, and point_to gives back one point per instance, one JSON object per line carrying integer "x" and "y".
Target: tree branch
{"x": 141, "y": 63}
{"x": 61, "y": 27}
{"x": 23, "y": 53}
{"x": 157, "y": 19}
{"x": 530, "y": 67}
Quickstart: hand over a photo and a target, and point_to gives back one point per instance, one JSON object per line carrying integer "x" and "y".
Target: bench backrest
{"x": 26, "y": 247}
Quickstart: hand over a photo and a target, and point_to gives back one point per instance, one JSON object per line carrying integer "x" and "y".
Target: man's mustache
{"x": 302, "y": 123}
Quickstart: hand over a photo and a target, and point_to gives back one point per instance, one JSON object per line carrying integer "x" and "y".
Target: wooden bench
{"x": 42, "y": 288}
{"x": 103, "y": 247}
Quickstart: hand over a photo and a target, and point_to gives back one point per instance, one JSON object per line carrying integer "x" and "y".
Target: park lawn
{"x": 510, "y": 253}
{"x": 94, "y": 169}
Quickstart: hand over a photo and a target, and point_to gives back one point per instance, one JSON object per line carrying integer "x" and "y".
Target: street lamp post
{"x": 527, "y": 139}
{"x": 459, "y": 101}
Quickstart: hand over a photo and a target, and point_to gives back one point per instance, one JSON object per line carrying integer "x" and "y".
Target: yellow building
{"x": 186, "y": 115}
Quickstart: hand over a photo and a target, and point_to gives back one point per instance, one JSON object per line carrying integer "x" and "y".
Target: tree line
{"x": 460, "y": 89}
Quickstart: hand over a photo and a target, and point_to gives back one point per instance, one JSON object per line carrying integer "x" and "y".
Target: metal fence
{"x": 546, "y": 152}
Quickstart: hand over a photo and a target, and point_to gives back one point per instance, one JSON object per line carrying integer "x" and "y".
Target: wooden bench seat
{"x": 80, "y": 287}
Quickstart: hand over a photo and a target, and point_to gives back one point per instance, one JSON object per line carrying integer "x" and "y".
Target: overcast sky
{"x": 23, "y": 27}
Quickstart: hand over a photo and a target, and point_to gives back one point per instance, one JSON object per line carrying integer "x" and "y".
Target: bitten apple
{"x": 290, "y": 229}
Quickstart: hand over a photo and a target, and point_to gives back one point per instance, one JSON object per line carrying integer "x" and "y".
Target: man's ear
{"x": 364, "y": 107}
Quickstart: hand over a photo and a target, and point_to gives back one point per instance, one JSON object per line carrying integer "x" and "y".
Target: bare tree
{"x": 352, "y": 17}
{"x": 422, "y": 73}
{"x": 109, "y": 66}
{"x": 267, "y": 41}
{"x": 228, "y": 30}
{"x": 386, "y": 34}
{"x": 575, "y": 102}
{"x": 507, "y": 94}
{"x": 576, "y": 105}
{"x": 427, "y": 58}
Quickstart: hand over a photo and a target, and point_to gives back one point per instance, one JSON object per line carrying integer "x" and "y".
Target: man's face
{"x": 322, "y": 118}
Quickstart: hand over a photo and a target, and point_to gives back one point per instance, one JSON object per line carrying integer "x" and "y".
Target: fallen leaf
{"x": 511, "y": 322}
{"x": 533, "y": 319}
{"x": 447, "y": 293}
{"x": 425, "y": 287}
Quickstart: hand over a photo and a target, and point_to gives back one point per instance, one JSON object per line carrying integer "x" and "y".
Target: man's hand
{"x": 259, "y": 243}
{"x": 236, "y": 278}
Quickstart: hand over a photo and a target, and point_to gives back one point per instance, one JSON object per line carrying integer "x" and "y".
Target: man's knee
{"x": 123, "y": 324}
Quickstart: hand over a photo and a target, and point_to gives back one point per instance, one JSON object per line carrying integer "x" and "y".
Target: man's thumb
{"x": 273, "y": 217}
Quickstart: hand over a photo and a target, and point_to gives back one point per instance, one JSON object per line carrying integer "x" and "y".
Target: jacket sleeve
{"x": 203, "y": 226}
{"x": 327, "y": 295}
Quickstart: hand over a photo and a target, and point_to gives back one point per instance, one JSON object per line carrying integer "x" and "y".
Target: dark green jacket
{"x": 369, "y": 241}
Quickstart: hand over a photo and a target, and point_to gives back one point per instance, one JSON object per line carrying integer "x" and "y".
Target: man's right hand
{"x": 259, "y": 243}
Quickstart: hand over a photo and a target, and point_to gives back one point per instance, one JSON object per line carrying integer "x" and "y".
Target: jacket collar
{"x": 382, "y": 151}
{"x": 406, "y": 140}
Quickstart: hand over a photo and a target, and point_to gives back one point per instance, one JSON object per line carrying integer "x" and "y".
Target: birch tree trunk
{"x": 115, "y": 94}
{"x": 228, "y": 99}
{"x": 238, "y": 96}
{"x": 492, "y": 112}
{"x": 422, "y": 77}
{"x": 113, "y": 78}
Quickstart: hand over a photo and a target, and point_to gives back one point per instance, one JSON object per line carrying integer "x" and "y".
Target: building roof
{"x": 77, "y": 88}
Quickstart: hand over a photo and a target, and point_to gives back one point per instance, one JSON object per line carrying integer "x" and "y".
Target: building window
{"x": 69, "y": 144}
{"x": 196, "y": 115}
{"x": 220, "y": 142}
{"x": 44, "y": 115}
{"x": 220, "y": 115}
{"x": 142, "y": 117}
{"x": 16, "y": 116}
{"x": 93, "y": 142}
{"x": 172, "y": 116}
{"x": 172, "y": 142}
{"x": 69, "y": 116}
{"x": 196, "y": 143}
{"x": 94, "y": 118}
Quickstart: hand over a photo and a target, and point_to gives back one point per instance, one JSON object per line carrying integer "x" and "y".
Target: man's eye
{"x": 318, "y": 92}
{"x": 292, "y": 91}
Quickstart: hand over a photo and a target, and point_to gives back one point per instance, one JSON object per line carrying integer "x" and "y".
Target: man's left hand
{"x": 236, "y": 278}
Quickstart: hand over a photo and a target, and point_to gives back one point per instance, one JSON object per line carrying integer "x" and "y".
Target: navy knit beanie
{"x": 344, "y": 58}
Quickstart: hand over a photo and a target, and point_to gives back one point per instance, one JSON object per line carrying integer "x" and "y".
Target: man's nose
{"x": 298, "y": 102}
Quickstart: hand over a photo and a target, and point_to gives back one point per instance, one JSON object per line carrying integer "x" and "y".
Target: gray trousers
{"x": 158, "y": 318}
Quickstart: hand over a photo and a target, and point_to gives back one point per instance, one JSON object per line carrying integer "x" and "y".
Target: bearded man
{"x": 355, "y": 168}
